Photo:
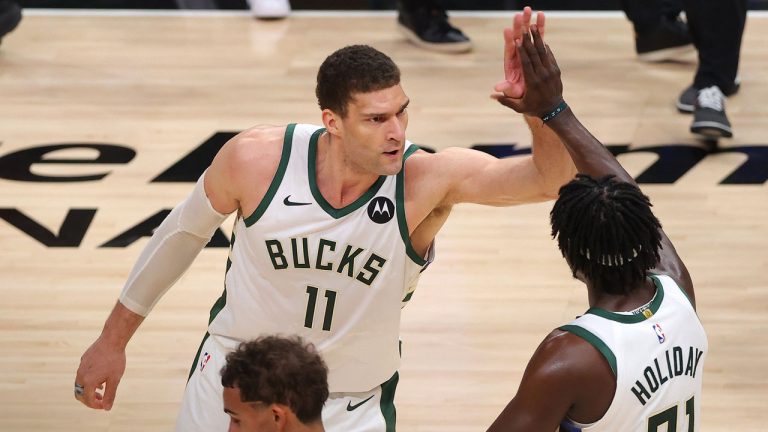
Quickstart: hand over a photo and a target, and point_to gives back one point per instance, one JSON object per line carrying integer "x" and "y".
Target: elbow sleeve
{"x": 171, "y": 250}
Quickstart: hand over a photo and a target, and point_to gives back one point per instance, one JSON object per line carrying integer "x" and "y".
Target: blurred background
{"x": 342, "y": 4}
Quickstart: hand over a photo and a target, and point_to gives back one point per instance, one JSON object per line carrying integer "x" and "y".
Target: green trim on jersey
{"x": 653, "y": 307}
{"x": 197, "y": 356}
{"x": 594, "y": 341}
{"x": 387, "y": 402}
{"x": 658, "y": 281}
{"x": 286, "y": 154}
{"x": 407, "y": 298}
{"x": 332, "y": 211}
{"x": 216, "y": 308}
{"x": 400, "y": 208}
{"x": 222, "y": 301}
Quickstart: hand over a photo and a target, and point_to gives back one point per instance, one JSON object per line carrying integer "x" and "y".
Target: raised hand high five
{"x": 543, "y": 86}
{"x": 513, "y": 84}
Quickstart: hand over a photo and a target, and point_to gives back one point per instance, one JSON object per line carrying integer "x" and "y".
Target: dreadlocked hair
{"x": 606, "y": 230}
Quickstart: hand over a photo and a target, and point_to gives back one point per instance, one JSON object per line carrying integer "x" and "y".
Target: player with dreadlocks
{"x": 634, "y": 360}
{"x": 620, "y": 245}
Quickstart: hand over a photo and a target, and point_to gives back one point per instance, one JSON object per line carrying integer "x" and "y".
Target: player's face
{"x": 247, "y": 416}
{"x": 374, "y": 130}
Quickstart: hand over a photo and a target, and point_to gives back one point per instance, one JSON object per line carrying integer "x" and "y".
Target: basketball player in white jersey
{"x": 634, "y": 361}
{"x": 275, "y": 384}
{"x": 334, "y": 225}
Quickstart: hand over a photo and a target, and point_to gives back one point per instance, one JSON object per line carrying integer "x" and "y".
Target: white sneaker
{"x": 709, "y": 119}
{"x": 270, "y": 9}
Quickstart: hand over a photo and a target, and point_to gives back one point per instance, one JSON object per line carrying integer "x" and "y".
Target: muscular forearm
{"x": 120, "y": 326}
{"x": 550, "y": 156}
{"x": 588, "y": 154}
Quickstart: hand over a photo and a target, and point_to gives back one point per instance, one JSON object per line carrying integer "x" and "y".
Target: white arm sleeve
{"x": 171, "y": 250}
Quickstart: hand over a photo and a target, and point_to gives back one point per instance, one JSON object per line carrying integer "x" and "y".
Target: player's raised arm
{"x": 475, "y": 177}
{"x": 544, "y": 97}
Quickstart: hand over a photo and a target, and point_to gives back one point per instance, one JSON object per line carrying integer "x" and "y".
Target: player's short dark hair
{"x": 353, "y": 69}
{"x": 275, "y": 369}
{"x": 606, "y": 230}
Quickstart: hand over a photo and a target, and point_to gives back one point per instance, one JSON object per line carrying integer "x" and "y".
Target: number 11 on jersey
{"x": 330, "y": 301}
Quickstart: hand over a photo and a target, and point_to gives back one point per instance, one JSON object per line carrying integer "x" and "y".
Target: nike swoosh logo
{"x": 288, "y": 202}
{"x": 351, "y": 407}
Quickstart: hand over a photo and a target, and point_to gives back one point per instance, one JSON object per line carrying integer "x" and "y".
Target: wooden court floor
{"x": 142, "y": 92}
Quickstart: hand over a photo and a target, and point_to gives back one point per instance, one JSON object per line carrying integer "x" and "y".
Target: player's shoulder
{"x": 256, "y": 142}
{"x": 252, "y": 156}
{"x": 566, "y": 355}
{"x": 257, "y": 148}
{"x": 560, "y": 343}
{"x": 580, "y": 373}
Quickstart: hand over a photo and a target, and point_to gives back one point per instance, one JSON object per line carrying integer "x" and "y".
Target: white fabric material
{"x": 202, "y": 408}
{"x": 659, "y": 362}
{"x": 171, "y": 250}
{"x": 335, "y": 277}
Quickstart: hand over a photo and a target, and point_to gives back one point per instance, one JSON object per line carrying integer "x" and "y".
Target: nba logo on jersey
{"x": 659, "y": 333}
{"x": 204, "y": 361}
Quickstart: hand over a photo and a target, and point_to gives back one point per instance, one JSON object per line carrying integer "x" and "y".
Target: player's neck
{"x": 309, "y": 427}
{"x": 339, "y": 181}
{"x": 638, "y": 296}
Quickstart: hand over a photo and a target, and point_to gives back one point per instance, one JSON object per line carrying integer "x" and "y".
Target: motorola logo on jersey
{"x": 381, "y": 210}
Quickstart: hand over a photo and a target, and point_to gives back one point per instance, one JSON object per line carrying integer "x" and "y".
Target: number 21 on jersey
{"x": 668, "y": 417}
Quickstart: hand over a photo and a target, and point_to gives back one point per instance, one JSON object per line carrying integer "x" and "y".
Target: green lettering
{"x": 677, "y": 354}
{"x": 669, "y": 364}
{"x": 348, "y": 260}
{"x": 275, "y": 251}
{"x": 372, "y": 271}
{"x": 662, "y": 378}
{"x": 698, "y": 357}
{"x": 650, "y": 378}
{"x": 319, "y": 262}
{"x": 294, "y": 248}
{"x": 640, "y": 392}
{"x": 689, "y": 366}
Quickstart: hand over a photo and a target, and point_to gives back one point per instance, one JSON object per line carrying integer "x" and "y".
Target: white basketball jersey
{"x": 336, "y": 277}
{"x": 657, "y": 355}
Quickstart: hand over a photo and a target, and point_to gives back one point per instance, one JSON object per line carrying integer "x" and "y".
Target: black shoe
{"x": 10, "y": 15}
{"x": 670, "y": 40}
{"x": 687, "y": 99}
{"x": 709, "y": 118}
{"x": 428, "y": 27}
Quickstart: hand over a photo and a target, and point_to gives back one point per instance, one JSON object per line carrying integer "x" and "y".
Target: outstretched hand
{"x": 543, "y": 86}
{"x": 513, "y": 84}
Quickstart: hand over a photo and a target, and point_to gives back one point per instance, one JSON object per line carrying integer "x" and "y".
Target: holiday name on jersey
{"x": 670, "y": 366}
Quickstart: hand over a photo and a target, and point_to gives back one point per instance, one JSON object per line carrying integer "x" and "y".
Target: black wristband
{"x": 557, "y": 110}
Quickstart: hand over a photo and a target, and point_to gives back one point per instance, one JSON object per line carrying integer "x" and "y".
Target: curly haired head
{"x": 279, "y": 370}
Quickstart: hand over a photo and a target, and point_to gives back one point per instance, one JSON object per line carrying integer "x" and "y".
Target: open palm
{"x": 513, "y": 84}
